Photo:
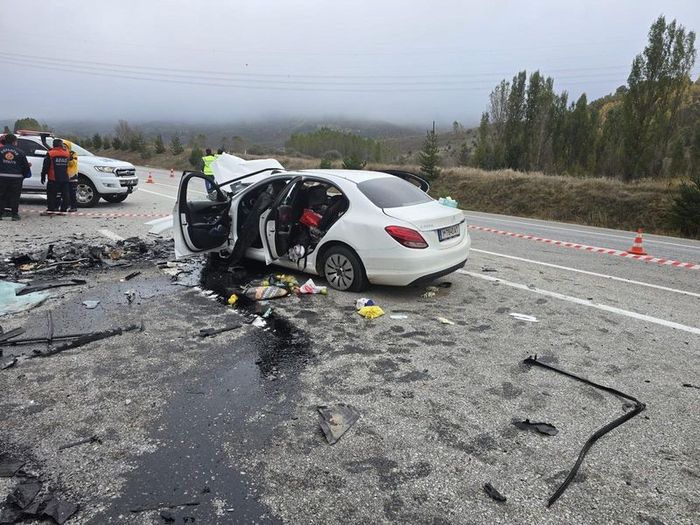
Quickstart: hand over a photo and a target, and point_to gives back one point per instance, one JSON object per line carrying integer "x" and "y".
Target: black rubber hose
{"x": 638, "y": 407}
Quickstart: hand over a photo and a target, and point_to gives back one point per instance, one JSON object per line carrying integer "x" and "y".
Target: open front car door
{"x": 200, "y": 224}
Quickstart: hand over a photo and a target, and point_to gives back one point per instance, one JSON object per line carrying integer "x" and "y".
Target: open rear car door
{"x": 277, "y": 221}
{"x": 200, "y": 225}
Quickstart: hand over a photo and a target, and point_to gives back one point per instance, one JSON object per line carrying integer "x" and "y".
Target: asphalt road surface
{"x": 436, "y": 400}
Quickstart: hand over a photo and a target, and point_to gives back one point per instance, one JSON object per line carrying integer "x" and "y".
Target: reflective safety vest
{"x": 73, "y": 162}
{"x": 208, "y": 159}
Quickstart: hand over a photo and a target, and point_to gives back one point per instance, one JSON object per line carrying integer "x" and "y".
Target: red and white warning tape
{"x": 97, "y": 215}
{"x": 592, "y": 249}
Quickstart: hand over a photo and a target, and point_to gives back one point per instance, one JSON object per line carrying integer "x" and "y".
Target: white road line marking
{"x": 546, "y": 226}
{"x": 111, "y": 235}
{"x": 585, "y": 302}
{"x": 567, "y": 268}
{"x": 160, "y": 194}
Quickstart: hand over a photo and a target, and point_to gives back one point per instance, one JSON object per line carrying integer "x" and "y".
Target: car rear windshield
{"x": 392, "y": 192}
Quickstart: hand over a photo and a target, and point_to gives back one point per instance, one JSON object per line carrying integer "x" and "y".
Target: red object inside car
{"x": 310, "y": 218}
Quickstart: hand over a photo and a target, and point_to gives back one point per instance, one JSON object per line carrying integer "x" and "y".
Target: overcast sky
{"x": 406, "y": 61}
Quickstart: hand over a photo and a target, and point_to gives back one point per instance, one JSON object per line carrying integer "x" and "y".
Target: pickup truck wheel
{"x": 86, "y": 193}
{"x": 115, "y": 197}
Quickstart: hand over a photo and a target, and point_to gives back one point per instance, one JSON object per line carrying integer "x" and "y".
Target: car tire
{"x": 343, "y": 269}
{"x": 115, "y": 198}
{"x": 86, "y": 193}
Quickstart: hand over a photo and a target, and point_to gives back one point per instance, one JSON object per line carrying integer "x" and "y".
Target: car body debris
{"x": 92, "y": 439}
{"x": 208, "y": 332}
{"x": 131, "y": 276}
{"x": 524, "y": 317}
{"x": 638, "y": 408}
{"x": 444, "y": 320}
{"x": 336, "y": 420}
{"x": 90, "y": 304}
{"x": 9, "y": 465}
{"x": 493, "y": 493}
{"x": 88, "y": 338}
{"x": 24, "y": 502}
{"x": 540, "y": 428}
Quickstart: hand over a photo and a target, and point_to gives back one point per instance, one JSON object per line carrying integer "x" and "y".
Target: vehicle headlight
{"x": 105, "y": 169}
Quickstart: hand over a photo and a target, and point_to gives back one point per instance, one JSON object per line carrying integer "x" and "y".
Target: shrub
{"x": 326, "y": 164}
{"x": 353, "y": 162}
{"x": 685, "y": 210}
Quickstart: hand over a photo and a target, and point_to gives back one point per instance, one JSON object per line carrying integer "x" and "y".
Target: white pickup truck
{"x": 98, "y": 177}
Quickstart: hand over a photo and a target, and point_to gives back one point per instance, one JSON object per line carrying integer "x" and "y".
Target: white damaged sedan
{"x": 351, "y": 227}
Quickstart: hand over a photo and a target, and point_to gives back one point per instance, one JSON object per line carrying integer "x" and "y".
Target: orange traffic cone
{"x": 636, "y": 248}
{"x": 150, "y": 180}
{"x": 172, "y": 173}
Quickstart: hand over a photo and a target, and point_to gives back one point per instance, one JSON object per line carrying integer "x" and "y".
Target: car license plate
{"x": 448, "y": 233}
{"x": 128, "y": 182}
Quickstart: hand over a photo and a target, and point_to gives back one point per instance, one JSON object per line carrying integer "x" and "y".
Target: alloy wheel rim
{"x": 84, "y": 193}
{"x": 339, "y": 272}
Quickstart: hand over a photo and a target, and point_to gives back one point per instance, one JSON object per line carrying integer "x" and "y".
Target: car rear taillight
{"x": 406, "y": 236}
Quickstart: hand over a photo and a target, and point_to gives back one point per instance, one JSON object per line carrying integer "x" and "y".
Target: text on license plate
{"x": 448, "y": 233}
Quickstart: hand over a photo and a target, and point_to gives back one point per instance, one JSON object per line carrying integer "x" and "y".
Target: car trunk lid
{"x": 427, "y": 216}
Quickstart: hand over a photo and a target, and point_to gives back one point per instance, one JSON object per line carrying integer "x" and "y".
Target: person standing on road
{"x": 72, "y": 176}
{"x": 206, "y": 168}
{"x": 14, "y": 168}
{"x": 55, "y": 169}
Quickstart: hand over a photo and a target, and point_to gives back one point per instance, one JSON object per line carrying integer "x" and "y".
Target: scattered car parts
{"x": 638, "y": 408}
{"x": 493, "y": 493}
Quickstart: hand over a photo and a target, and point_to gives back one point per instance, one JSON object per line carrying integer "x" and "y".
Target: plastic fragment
{"x": 493, "y": 493}
{"x": 259, "y": 322}
{"x": 11, "y": 302}
{"x": 336, "y": 420}
{"x": 444, "y": 320}
{"x": 542, "y": 428}
{"x": 91, "y": 305}
{"x": 232, "y": 300}
{"x": 524, "y": 317}
{"x": 398, "y": 316}
{"x": 8, "y": 364}
{"x": 370, "y": 312}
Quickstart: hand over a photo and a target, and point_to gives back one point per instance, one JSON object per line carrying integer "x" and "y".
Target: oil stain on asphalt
{"x": 217, "y": 408}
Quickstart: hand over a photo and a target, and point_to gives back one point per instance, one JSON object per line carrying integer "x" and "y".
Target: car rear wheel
{"x": 115, "y": 197}
{"x": 343, "y": 270}
{"x": 86, "y": 194}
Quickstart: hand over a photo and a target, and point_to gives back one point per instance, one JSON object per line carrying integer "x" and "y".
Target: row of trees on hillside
{"x": 648, "y": 128}
{"x": 331, "y": 144}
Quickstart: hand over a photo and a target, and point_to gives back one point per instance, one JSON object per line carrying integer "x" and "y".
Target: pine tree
{"x": 196, "y": 155}
{"x": 158, "y": 144}
{"x": 97, "y": 141}
{"x": 429, "y": 156}
{"x": 175, "y": 145}
{"x": 106, "y": 142}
